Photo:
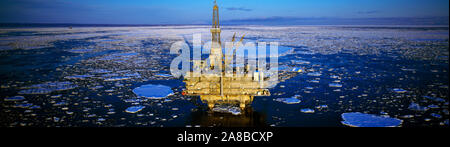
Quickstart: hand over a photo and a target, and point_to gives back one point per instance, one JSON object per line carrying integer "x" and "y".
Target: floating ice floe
{"x": 307, "y": 110}
{"x": 399, "y": 90}
{"x": 227, "y": 109}
{"x": 163, "y": 75}
{"x": 109, "y": 90}
{"x": 357, "y": 119}
{"x": 335, "y": 85}
{"x": 135, "y": 75}
{"x": 118, "y": 84}
{"x": 133, "y": 100}
{"x": 126, "y": 54}
{"x": 116, "y": 79}
{"x": 110, "y": 75}
{"x": 56, "y": 96}
{"x": 14, "y": 98}
{"x": 96, "y": 87}
{"x": 407, "y": 116}
{"x": 35, "y": 107}
{"x": 59, "y": 104}
{"x": 167, "y": 100}
{"x": 408, "y": 69}
{"x": 78, "y": 77}
{"x": 434, "y": 99}
{"x": 100, "y": 71}
{"x": 80, "y": 50}
{"x": 314, "y": 81}
{"x": 314, "y": 74}
{"x": 435, "y": 115}
{"x": 48, "y": 88}
{"x": 417, "y": 107}
{"x": 134, "y": 109}
{"x": 334, "y": 77}
{"x": 432, "y": 106}
{"x": 56, "y": 119}
{"x": 23, "y": 105}
{"x": 288, "y": 100}
{"x": 153, "y": 91}
{"x": 300, "y": 62}
{"x": 322, "y": 107}
{"x": 305, "y": 52}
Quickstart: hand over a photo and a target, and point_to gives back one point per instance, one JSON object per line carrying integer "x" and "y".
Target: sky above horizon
{"x": 231, "y": 11}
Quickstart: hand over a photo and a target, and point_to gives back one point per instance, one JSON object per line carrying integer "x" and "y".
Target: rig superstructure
{"x": 218, "y": 88}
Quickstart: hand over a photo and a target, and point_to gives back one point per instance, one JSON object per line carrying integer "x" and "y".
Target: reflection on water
{"x": 248, "y": 118}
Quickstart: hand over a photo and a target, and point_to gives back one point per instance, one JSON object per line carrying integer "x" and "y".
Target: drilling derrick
{"x": 218, "y": 88}
{"x": 216, "y": 46}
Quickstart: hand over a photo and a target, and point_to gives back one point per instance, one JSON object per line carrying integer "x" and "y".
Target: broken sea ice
{"x": 48, "y": 88}
{"x": 153, "y": 91}
{"x": 163, "y": 75}
{"x": 417, "y": 107}
{"x": 134, "y": 109}
{"x": 14, "y": 98}
{"x": 307, "y": 110}
{"x": 434, "y": 99}
{"x": 227, "y": 109}
{"x": 399, "y": 90}
{"x": 80, "y": 51}
{"x": 357, "y": 119}
{"x": 335, "y": 85}
{"x": 288, "y": 100}
{"x": 314, "y": 74}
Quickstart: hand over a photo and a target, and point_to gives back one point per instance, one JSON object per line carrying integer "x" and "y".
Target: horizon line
{"x": 278, "y": 20}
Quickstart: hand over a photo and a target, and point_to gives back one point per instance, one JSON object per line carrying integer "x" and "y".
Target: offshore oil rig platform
{"x": 216, "y": 88}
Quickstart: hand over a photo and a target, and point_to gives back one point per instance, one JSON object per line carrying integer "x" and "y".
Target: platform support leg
{"x": 242, "y": 105}
{"x": 210, "y": 105}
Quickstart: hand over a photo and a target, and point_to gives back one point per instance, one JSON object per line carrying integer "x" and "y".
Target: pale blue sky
{"x": 199, "y": 11}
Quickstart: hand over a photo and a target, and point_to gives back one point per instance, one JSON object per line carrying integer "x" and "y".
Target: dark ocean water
{"x": 112, "y": 66}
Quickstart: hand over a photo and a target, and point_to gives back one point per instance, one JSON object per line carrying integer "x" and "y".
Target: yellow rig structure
{"x": 218, "y": 88}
